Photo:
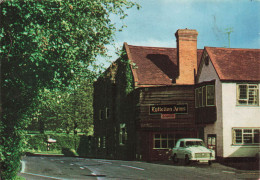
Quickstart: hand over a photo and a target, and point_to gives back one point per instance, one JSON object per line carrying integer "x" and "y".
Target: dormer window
{"x": 247, "y": 94}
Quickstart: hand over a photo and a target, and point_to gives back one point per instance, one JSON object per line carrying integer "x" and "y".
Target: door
{"x": 212, "y": 142}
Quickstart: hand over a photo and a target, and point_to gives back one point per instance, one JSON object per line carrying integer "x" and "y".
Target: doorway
{"x": 212, "y": 142}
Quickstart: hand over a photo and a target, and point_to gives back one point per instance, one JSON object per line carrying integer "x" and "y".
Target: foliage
{"x": 64, "y": 110}
{"x": 43, "y": 43}
{"x": 69, "y": 152}
{"x": 65, "y": 143}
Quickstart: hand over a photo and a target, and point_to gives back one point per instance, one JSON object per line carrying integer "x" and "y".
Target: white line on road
{"x": 106, "y": 162}
{"x": 231, "y": 172}
{"x": 141, "y": 169}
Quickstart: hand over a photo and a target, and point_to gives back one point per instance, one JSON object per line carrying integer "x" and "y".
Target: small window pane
{"x": 242, "y": 91}
{"x": 164, "y": 136}
{"x": 248, "y": 139}
{"x": 256, "y": 136}
{"x": 238, "y": 136}
{"x": 200, "y": 97}
{"x": 157, "y": 144}
{"x": 203, "y": 96}
{"x": 247, "y": 130}
{"x": 157, "y": 136}
{"x": 171, "y": 144}
{"x": 170, "y": 136}
{"x": 210, "y": 95}
{"x": 164, "y": 143}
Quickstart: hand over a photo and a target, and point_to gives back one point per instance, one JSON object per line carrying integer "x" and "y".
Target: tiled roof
{"x": 155, "y": 66}
{"x": 235, "y": 64}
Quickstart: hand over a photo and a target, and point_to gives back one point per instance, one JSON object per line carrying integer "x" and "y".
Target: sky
{"x": 156, "y": 22}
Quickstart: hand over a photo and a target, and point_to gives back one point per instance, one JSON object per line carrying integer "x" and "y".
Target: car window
{"x": 182, "y": 144}
{"x": 194, "y": 143}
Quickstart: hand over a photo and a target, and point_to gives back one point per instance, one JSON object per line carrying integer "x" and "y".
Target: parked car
{"x": 192, "y": 149}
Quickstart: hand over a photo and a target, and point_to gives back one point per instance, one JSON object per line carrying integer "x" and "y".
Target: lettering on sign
{"x": 169, "y": 109}
{"x": 167, "y": 116}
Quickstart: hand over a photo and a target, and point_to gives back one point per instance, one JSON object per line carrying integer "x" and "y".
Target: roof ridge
{"x": 208, "y": 47}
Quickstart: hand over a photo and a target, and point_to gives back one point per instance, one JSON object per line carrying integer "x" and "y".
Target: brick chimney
{"x": 187, "y": 55}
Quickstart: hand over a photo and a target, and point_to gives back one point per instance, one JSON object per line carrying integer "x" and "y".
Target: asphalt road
{"x": 68, "y": 168}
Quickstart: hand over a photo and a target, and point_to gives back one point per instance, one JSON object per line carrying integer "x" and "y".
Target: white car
{"x": 192, "y": 149}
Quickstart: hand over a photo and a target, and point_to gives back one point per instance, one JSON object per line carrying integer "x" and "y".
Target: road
{"x": 69, "y": 168}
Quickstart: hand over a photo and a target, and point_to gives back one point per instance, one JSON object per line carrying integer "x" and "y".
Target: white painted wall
{"x": 229, "y": 115}
{"x": 237, "y": 116}
{"x": 208, "y": 73}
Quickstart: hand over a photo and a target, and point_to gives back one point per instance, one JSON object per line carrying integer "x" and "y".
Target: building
{"x": 227, "y": 100}
{"x": 145, "y": 101}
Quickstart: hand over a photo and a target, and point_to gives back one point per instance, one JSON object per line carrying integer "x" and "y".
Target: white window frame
{"x": 104, "y": 142}
{"x": 108, "y": 113}
{"x": 244, "y": 133}
{"x": 249, "y": 89}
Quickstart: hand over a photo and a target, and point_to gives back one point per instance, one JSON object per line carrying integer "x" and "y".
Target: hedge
{"x": 80, "y": 144}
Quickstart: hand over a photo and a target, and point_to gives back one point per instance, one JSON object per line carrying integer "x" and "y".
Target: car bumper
{"x": 202, "y": 159}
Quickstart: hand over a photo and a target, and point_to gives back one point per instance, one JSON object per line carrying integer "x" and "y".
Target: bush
{"x": 69, "y": 152}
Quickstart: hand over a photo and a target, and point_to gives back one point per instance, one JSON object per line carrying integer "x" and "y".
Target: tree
{"x": 42, "y": 44}
{"x": 62, "y": 111}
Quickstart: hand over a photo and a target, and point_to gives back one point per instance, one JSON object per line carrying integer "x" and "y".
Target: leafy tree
{"x": 42, "y": 44}
{"x": 64, "y": 111}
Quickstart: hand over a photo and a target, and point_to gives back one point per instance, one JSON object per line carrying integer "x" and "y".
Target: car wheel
{"x": 187, "y": 160}
{"x": 209, "y": 162}
{"x": 175, "y": 159}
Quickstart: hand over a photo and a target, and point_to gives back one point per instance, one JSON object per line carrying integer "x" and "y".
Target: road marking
{"x": 39, "y": 175}
{"x": 231, "y": 172}
{"x": 141, "y": 169}
{"x": 81, "y": 167}
{"x": 106, "y": 162}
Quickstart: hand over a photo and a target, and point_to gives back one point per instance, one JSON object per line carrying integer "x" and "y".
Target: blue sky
{"x": 157, "y": 21}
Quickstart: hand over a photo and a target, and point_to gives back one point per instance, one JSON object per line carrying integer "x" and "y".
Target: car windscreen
{"x": 194, "y": 143}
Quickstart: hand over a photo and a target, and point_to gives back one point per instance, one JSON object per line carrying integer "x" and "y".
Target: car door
{"x": 181, "y": 150}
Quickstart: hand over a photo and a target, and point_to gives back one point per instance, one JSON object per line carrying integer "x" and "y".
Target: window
{"x": 182, "y": 144}
{"x": 164, "y": 141}
{"x": 98, "y": 142}
{"x": 122, "y": 134}
{"x": 104, "y": 141}
{"x": 247, "y": 94}
{"x": 205, "y": 96}
{"x": 107, "y": 113}
{"x": 101, "y": 115}
{"x": 210, "y": 99}
{"x": 197, "y": 97}
{"x": 200, "y": 97}
{"x": 246, "y": 136}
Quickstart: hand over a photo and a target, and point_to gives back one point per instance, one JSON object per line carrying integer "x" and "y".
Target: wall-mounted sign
{"x": 169, "y": 109}
{"x": 167, "y": 116}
